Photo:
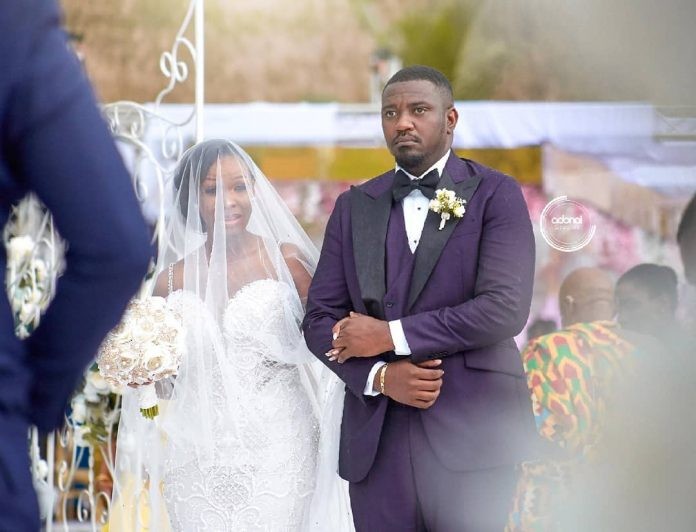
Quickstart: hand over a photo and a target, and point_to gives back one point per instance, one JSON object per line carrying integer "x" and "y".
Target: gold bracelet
{"x": 381, "y": 378}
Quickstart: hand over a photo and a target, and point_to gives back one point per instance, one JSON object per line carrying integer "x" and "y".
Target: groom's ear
{"x": 452, "y": 117}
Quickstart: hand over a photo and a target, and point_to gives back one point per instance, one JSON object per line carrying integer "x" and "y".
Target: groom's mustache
{"x": 405, "y": 137}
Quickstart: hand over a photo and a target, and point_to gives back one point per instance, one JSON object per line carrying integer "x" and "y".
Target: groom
{"x": 416, "y": 315}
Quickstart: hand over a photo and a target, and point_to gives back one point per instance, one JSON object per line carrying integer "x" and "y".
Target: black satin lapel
{"x": 370, "y": 218}
{"x": 433, "y": 239}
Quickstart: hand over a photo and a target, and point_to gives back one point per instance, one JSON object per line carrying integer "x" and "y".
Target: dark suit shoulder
{"x": 377, "y": 184}
{"x": 342, "y": 198}
{"x": 485, "y": 171}
{"x": 491, "y": 178}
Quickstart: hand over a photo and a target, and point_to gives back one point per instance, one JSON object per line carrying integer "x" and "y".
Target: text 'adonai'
{"x": 567, "y": 220}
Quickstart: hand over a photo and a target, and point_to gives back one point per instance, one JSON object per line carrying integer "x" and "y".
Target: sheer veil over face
{"x": 229, "y": 227}
{"x": 236, "y": 266}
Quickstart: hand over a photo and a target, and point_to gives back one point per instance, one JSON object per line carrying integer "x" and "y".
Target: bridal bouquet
{"x": 145, "y": 347}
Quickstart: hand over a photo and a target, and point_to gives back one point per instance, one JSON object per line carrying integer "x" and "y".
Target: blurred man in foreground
{"x": 54, "y": 143}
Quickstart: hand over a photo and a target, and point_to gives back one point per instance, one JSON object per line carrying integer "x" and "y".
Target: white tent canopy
{"x": 634, "y": 140}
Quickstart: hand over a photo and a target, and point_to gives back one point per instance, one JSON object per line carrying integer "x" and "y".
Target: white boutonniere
{"x": 447, "y": 204}
{"x": 34, "y": 262}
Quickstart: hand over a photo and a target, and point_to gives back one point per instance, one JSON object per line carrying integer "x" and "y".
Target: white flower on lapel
{"x": 447, "y": 204}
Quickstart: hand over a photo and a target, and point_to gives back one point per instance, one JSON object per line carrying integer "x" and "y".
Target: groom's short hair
{"x": 424, "y": 73}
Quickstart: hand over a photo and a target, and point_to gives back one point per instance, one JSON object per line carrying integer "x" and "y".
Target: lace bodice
{"x": 265, "y": 316}
{"x": 262, "y": 473}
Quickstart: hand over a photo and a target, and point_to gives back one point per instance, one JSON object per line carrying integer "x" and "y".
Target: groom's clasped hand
{"x": 360, "y": 336}
{"x": 416, "y": 385}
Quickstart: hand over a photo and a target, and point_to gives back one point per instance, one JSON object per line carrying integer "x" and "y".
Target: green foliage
{"x": 435, "y": 35}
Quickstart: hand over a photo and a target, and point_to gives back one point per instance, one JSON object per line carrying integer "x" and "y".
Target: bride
{"x": 236, "y": 444}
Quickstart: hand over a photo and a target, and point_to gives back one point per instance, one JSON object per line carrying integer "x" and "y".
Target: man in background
{"x": 646, "y": 303}
{"x": 570, "y": 374}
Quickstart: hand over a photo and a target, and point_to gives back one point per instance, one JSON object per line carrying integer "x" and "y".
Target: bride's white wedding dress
{"x": 261, "y": 471}
{"x": 236, "y": 446}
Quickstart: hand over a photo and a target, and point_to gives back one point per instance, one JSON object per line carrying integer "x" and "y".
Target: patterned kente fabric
{"x": 571, "y": 374}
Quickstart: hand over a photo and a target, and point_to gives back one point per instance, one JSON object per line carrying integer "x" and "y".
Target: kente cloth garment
{"x": 571, "y": 374}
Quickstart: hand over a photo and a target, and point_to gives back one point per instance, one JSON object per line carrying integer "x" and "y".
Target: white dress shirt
{"x": 415, "y": 207}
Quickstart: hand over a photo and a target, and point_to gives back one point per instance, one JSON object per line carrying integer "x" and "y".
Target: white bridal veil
{"x": 235, "y": 265}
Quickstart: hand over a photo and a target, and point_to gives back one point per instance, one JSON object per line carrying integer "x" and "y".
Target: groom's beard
{"x": 409, "y": 161}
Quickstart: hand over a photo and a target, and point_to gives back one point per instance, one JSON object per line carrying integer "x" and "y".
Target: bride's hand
{"x": 360, "y": 336}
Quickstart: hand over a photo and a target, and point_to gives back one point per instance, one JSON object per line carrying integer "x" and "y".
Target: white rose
{"x": 20, "y": 248}
{"x": 158, "y": 360}
{"x": 41, "y": 469}
{"x": 98, "y": 382}
{"x": 143, "y": 330}
{"x": 127, "y": 361}
{"x": 90, "y": 392}
{"x": 79, "y": 410}
{"x": 27, "y": 312}
{"x": 121, "y": 334}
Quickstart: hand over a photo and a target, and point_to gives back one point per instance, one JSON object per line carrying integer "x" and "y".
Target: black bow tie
{"x": 403, "y": 185}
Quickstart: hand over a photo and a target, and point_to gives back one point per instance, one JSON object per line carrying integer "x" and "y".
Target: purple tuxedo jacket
{"x": 470, "y": 293}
